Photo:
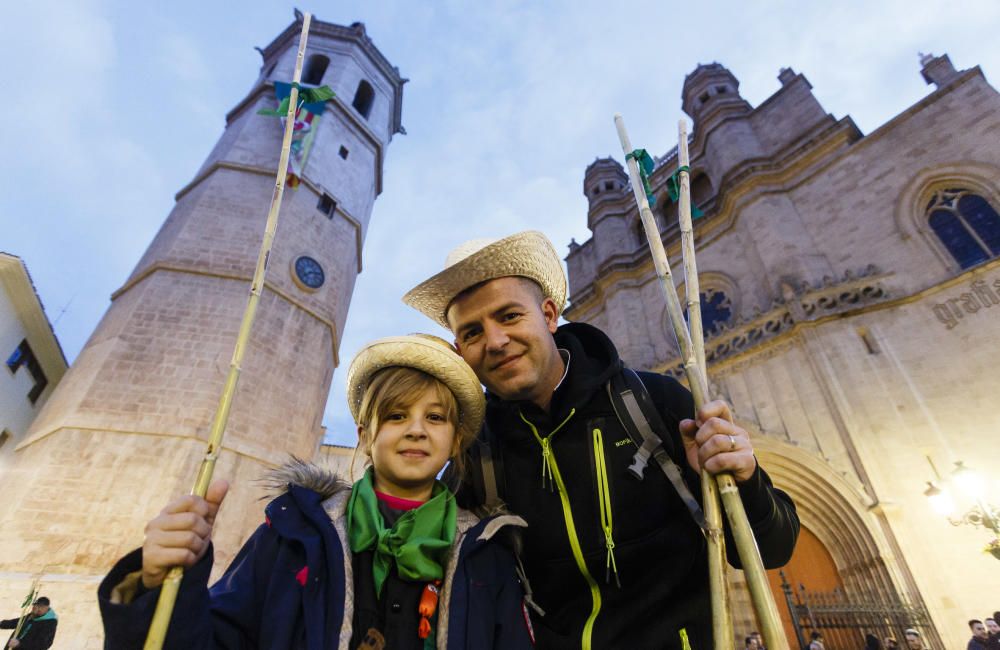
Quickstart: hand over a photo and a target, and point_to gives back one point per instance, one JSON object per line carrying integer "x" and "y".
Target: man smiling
{"x": 614, "y": 561}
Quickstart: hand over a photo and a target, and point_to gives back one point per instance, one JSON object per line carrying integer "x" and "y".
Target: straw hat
{"x": 528, "y": 254}
{"x": 427, "y": 353}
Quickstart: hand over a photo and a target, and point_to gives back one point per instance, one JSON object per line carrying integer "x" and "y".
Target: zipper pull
{"x": 547, "y": 464}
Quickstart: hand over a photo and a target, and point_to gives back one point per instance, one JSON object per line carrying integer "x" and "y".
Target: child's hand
{"x": 180, "y": 534}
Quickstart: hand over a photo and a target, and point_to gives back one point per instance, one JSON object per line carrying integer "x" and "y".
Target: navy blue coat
{"x": 265, "y": 600}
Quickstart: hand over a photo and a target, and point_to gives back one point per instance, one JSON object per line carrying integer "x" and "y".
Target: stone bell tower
{"x": 126, "y": 428}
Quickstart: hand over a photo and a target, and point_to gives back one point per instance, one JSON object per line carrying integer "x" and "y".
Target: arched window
{"x": 314, "y": 70}
{"x": 364, "y": 97}
{"x": 716, "y": 309}
{"x": 966, "y": 224}
{"x": 701, "y": 190}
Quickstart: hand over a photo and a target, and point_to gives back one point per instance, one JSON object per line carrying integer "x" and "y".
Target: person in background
{"x": 817, "y": 641}
{"x": 979, "y": 635}
{"x": 39, "y": 627}
{"x": 913, "y": 640}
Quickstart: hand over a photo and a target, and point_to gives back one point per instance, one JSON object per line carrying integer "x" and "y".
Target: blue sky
{"x": 112, "y": 106}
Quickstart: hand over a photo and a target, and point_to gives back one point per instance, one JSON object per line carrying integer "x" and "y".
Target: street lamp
{"x": 980, "y": 514}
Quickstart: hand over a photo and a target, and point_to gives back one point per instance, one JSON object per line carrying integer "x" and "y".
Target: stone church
{"x": 848, "y": 286}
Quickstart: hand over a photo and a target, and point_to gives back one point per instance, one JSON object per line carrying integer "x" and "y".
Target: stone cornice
{"x": 197, "y": 270}
{"x": 317, "y": 189}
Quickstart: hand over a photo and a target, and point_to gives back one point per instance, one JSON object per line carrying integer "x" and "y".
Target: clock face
{"x": 309, "y": 272}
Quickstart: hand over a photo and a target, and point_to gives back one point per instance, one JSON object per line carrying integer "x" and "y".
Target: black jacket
{"x": 659, "y": 551}
{"x": 36, "y": 634}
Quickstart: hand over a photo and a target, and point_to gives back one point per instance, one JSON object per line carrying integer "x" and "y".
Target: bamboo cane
{"x": 171, "y": 584}
{"x": 722, "y": 628}
{"x": 746, "y": 545}
{"x": 26, "y": 606}
{"x": 692, "y": 289}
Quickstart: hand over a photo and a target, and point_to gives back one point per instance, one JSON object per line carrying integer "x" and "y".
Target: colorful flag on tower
{"x": 311, "y": 105}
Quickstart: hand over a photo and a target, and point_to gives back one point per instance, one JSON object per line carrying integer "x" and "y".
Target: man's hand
{"x": 712, "y": 441}
{"x": 13, "y": 643}
{"x": 180, "y": 534}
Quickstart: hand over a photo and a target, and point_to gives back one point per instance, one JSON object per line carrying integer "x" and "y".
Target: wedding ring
{"x": 732, "y": 443}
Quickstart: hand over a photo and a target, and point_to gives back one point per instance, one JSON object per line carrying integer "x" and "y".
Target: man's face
{"x": 503, "y": 329}
{"x": 991, "y": 626}
{"x": 913, "y": 642}
{"x": 978, "y": 629}
{"x": 39, "y": 610}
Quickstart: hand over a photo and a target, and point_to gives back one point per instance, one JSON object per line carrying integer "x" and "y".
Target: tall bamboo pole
{"x": 692, "y": 289}
{"x": 722, "y": 627}
{"x": 746, "y": 545}
{"x": 171, "y": 584}
{"x": 26, "y": 606}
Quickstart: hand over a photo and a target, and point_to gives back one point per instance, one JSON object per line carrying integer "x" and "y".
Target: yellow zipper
{"x": 549, "y": 462}
{"x": 604, "y": 501}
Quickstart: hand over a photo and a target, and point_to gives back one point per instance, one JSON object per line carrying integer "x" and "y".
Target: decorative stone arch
{"x": 911, "y": 218}
{"x": 838, "y": 513}
{"x": 707, "y": 281}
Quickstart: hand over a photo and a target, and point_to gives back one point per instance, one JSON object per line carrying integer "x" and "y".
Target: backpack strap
{"x": 637, "y": 414}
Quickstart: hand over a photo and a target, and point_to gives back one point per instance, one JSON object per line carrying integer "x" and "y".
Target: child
{"x": 390, "y": 562}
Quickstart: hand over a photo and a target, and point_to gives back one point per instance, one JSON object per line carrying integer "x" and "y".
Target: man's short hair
{"x": 911, "y": 632}
{"x": 41, "y": 601}
{"x": 973, "y": 621}
{"x": 816, "y": 635}
{"x": 990, "y": 619}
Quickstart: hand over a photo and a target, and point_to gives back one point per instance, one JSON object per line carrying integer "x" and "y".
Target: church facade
{"x": 851, "y": 296}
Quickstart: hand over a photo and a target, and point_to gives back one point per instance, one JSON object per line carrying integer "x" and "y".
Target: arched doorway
{"x": 843, "y": 559}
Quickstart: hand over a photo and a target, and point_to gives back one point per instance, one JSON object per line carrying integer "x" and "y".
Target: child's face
{"x": 411, "y": 447}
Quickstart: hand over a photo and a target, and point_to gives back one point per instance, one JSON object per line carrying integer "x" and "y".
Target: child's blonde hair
{"x": 399, "y": 387}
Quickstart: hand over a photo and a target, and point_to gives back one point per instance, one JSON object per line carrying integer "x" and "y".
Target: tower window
{"x": 721, "y": 90}
{"x": 364, "y": 97}
{"x": 343, "y": 152}
{"x": 327, "y": 205}
{"x": 314, "y": 70}
{"x": 597, "y": 190}
{"x": 608, "y": 186}
{"x": 24, "y": 356}
{"x": 967, "y": 225}
{"x": 704, "y": 97}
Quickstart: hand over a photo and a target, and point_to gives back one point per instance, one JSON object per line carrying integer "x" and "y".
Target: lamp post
{"x": 980, "y": 514}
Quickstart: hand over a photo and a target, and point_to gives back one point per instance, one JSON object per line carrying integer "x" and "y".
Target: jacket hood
{"x": 303, "y": 474}
{"x": 593, "y": 359}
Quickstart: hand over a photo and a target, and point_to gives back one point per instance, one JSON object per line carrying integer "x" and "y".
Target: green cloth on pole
{"x": 307, "y": 96}
{"x": 417, "y": 543}
{"x": 645, "y": 164}
{"x": 674, "y": 190}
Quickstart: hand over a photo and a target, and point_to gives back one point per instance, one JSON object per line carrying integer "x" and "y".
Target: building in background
{"x": 34, "y": 362}
{"x": 851, "y": 292}
{"x": 128, "y": 425}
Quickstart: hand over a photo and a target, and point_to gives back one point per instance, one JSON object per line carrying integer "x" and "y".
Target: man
{"x": 615, "y": 562}
{"x": 759, "y": 639}
{"x": 890, "y": 643}
{"x": 816, "y": 642}
{"x": 979, "y": 635}
{"x": 993, "y": 643}
{"x": 913, "y": 640}
{"x": 38, "y": 630}
{"x": 750, "y": 643}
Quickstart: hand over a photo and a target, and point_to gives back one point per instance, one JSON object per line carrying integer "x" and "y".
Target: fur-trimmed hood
{"x": 306, "y": 475}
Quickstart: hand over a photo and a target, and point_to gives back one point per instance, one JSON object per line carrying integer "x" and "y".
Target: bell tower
{"x": 126, "y": 428}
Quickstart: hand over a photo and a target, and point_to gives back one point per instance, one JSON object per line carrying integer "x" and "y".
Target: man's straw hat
{"x": 427, "y": 353}
{"x": 527, "y": 254}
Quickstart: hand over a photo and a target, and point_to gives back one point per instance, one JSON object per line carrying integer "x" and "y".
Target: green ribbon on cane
{"x": 307, "y": 95}
{"x": 674, "y": 190}
{"x": 645, "y": 164}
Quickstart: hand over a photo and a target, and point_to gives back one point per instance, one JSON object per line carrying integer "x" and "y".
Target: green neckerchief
{"x": 417, "y": 543}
